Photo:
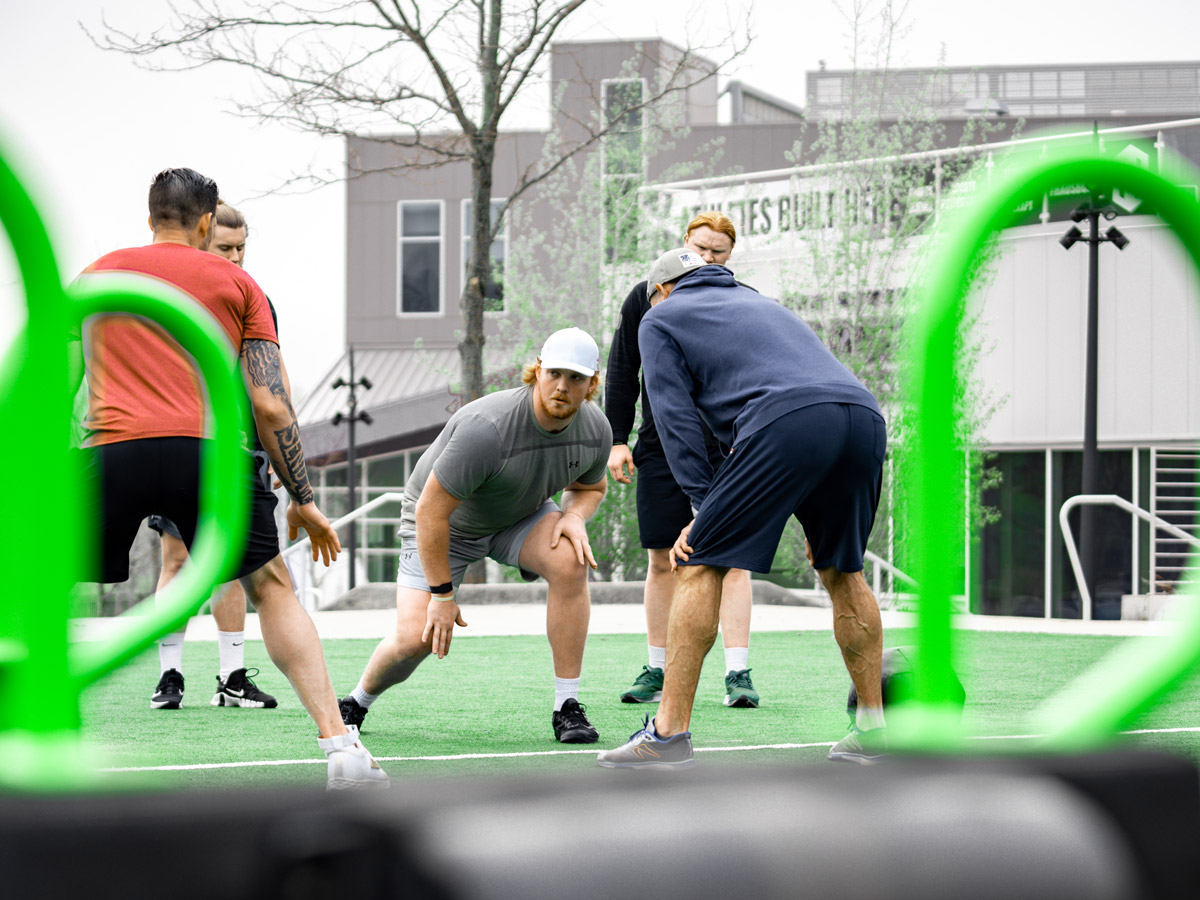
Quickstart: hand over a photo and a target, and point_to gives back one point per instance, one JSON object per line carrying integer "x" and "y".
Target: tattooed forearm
{"x": 264, "y": 366}
{"x": 290, "y": 465}
{"x": 264, "y": 370}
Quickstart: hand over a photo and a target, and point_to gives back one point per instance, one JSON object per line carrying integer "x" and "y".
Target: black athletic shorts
{"x": 163, "y": 525}
{"x": 131, "y": 480}
{"x": 663, "y": 509}
{"x": 823, "y": 464}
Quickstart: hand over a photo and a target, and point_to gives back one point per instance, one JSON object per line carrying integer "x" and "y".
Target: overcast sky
{"x": 90, "y": 129}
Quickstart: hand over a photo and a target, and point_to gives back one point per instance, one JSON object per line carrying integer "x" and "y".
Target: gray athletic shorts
{"x": 504, "y": 547}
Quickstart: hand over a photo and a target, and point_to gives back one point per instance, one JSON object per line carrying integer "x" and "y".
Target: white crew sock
{"x": 869, "y": 717}
{"x": 232, "y": 648}
{"x": 170, "y": 653}
{"x": 362, "y": 697}
{"x": 658, "y": 657}
{"x": 565, "y": 689}
{"x": 737, "y": 659}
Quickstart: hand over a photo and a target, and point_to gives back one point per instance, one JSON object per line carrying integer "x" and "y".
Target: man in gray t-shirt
{"x": 483, "y": 490}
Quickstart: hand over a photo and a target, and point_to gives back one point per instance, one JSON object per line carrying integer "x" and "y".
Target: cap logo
{"x": 688, "y": 258}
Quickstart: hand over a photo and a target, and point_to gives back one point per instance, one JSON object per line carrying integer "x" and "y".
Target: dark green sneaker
{"x": 863, "y": 747}
{"x": 739, "y": 690}
{"x": 647, "y": 687}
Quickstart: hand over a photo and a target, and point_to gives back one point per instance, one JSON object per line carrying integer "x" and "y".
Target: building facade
{"x": 407, "y": 244}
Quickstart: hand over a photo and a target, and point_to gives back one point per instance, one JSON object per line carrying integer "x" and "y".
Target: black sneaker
{"x": 239, "y": 690}
{"x": 352, "y": 712}
{"x": 571, "y": 726}
{"x": 169, "y": 693}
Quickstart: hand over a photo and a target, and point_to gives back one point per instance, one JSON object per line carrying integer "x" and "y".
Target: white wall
{"x": 1034, "y": 314}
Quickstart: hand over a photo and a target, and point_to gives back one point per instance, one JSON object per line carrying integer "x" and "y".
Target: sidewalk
{"x": 621, "y": 618}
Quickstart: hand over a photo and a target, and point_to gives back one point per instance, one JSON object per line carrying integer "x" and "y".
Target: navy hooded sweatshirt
{"x": 723, "y": 353}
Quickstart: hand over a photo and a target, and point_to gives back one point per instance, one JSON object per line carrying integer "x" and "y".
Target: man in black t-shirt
{"x": 663, "y": 508}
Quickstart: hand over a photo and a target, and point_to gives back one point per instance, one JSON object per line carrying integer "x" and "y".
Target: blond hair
{"x": 715, "y": 220}
{"x": 529, "y": 376}
{"x": 229, "y": 217}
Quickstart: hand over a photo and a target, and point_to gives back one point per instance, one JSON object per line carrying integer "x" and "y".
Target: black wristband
{"x": 441, "y": 588}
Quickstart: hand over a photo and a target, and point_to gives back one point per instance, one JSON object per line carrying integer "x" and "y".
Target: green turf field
{"x": 485, "y": 709}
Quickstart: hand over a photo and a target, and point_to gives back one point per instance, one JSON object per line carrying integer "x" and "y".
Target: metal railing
{"x": 308, "y": 585}
{"x": 984, "y": 151}
{"x": 878, "y": 566}
{"x": 1085, "y": 595}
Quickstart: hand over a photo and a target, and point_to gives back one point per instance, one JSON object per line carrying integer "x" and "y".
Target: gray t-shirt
{"x": 495, "y": 457}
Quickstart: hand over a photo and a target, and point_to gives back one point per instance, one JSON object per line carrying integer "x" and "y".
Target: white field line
{"x": 460, "y": 756}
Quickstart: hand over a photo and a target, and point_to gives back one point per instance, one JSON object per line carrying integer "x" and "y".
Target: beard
{"x": 565, "y": 410}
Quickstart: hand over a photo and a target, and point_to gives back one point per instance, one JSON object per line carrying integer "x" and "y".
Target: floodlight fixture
{"x": 1117, "y": 237}
{"x": 1068, "y": 240}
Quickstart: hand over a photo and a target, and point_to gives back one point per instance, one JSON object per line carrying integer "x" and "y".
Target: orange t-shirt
{"x": 142, "y": 383}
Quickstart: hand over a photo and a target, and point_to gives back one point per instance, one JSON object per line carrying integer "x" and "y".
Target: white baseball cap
{"x": 572, "y": 349}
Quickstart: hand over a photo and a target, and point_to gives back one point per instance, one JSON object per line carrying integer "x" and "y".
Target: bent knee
{"x": 660, "y": 562}
{"x": 268, "y": 580}
{"x": 564, "y": 569}
{"x": 833, "y": 579}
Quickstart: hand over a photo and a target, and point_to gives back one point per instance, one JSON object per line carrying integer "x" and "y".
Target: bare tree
{"x": 439, "y": 77}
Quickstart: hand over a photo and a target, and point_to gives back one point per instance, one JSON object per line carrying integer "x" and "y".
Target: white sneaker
{"x": 351, "y": 767}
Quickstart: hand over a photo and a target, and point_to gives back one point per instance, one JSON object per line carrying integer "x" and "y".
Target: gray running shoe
{"x": 645, "y": 749}
{"x": 863, "y": 747}
{"x": 647, "y": 687}
{"x": 739, "y": 690}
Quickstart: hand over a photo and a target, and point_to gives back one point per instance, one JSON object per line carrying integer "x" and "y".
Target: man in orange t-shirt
{"x": 146, "y": 422}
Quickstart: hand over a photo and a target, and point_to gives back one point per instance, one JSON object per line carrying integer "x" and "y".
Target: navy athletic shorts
{"x": 663, "y": 509}
{"x": 131, "y": 480}
{"x": 823, "y": 464}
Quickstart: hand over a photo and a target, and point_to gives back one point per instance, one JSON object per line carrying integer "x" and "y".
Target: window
{"x": 624, "y": 165}
{"x": 493, "y": 294}
{"x": 623, "y": 115}
{"x": 420, "y": 258}
{"x": 968, "y": 86}
{"x": 387, "y": 473}
{"x": 1013, "y": 546}
{"x": 1182, "y": 79}
{"x": 1016, "y": 84}
{"x": 1071, "y": 84}
{"x": 829, "y": 90}
{"x": 1045, "y": 84}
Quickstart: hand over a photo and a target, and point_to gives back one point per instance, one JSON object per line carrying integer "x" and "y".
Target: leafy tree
{"x": 579, "y": 271}
{"x": 867, "y": 207}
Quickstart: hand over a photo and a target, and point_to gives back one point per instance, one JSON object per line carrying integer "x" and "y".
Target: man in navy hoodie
{"x": 808, "y": 440}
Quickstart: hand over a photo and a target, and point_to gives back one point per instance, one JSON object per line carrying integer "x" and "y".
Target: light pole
{"x": 1091, "y": 457}
{"x": 351, "y": 417}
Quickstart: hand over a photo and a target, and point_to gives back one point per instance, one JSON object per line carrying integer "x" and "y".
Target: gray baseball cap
{"x": 670, "y": 266}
